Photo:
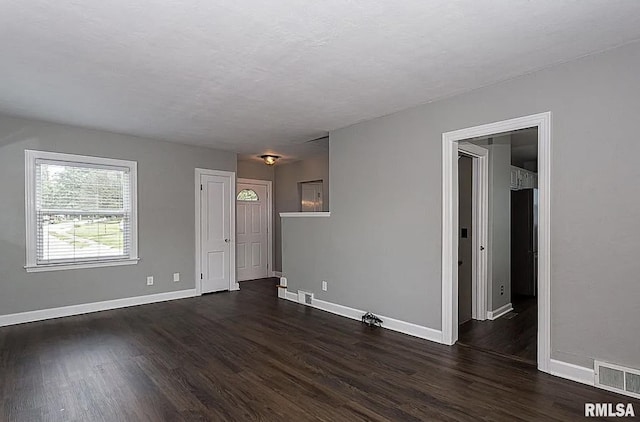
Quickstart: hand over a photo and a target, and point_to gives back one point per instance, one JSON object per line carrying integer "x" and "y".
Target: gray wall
{"x": 165, "y": 214}
{"x": 499, "y": 256}
{"x": 251, "y": 169}
{"x": 286, "y": 178}
{"x": 381, "y": 248}
{"x": 287, "y": 190}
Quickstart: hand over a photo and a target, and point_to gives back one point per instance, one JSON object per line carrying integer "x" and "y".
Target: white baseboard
{"x": 491, "y": 315}
{"x": 558, "y": 368}
{"x": 572, "y": 372}
{"x": 85, "y": 308}
{"x": 276, "y": 273}
{"x": 289, "y": 295}
{"x": 356, "y": 314}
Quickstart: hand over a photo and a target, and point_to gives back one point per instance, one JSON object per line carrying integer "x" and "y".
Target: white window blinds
{"x": 83, "y": 211}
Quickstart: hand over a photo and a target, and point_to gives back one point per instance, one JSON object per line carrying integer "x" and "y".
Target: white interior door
{"x": 215, "y": 233}
{"x": 252, "y": 228}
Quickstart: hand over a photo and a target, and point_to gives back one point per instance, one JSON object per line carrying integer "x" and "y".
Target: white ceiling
{"x": 256, "y": 75}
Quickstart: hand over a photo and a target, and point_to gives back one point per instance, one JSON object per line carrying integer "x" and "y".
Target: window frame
{"x": 31, "y": 210}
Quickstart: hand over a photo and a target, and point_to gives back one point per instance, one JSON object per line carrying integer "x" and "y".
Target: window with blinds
{"x": 81, "y": 211}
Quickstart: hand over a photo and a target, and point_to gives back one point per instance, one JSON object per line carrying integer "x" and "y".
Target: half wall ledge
{"x": 304, "y": 214}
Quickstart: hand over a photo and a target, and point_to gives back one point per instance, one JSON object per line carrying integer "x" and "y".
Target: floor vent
{"x": 617, "y": 378}
{"x": 305, "y": 298}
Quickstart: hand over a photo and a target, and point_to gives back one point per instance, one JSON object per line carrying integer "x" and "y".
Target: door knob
{"x": 227, "y": 240}
{"x": 482, "y": 248}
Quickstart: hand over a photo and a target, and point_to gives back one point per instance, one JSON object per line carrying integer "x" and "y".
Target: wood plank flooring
{"x": 514, "y": 335}
{"x": 247, "y": 355}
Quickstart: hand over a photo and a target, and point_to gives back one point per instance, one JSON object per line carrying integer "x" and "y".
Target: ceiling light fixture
{"x": 269, "y": 159}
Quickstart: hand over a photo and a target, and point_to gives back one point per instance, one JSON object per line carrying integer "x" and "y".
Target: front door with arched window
{"x": 252, "y": 230}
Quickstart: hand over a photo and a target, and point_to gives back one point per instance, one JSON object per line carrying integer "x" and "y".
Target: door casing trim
{"x": 542, "y": 122}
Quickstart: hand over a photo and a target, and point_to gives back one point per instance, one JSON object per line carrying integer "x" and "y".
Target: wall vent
{"x": 305, "y": 298}
{"x": 617, "y": 378}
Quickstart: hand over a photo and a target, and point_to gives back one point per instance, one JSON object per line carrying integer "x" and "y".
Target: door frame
{"x": 269, "y": 185}
{"x": 480, "y": 228}
{"x": 199, "y": 172}
{"x": 542, "y": 122}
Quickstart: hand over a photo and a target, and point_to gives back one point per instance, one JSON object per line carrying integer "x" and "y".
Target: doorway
{"x": 254, "y": 229}
{"x": 465, "y": 245}
{"x": 215, "y": 218}
{"x": 450, "y": 239}
{"x": 510, "y": 326}
{"x": 473, "y": 179}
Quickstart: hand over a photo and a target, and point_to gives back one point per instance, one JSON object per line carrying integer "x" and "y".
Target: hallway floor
{"x": 513, "y": 335}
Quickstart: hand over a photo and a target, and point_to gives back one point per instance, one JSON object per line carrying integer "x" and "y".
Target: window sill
{"x": 83, "y": 265}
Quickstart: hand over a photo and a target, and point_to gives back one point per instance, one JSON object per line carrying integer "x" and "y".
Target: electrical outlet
{"x": 324, "y": 286}
{"x": 176, "y": 277}
{"x": 502, "y": 290}
{"x": 150, "y": 281}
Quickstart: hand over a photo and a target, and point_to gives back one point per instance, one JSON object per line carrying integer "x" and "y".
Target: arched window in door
{"x": 247, "y": 195}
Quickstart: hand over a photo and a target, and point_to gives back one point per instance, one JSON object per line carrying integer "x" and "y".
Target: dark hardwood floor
{"x": 249, "y": 356}
{"x": 513, "y": 335}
